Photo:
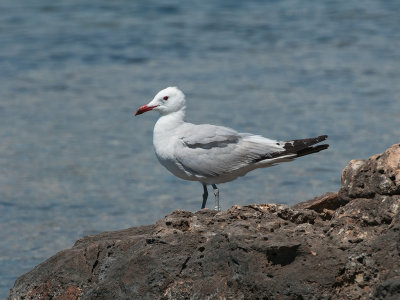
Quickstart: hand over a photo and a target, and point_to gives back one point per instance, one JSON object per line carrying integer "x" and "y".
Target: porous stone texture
{"x": 379, "y": 175}
{"x": 342, "y": 245}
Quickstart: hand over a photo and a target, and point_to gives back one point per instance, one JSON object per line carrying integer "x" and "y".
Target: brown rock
{"x": 338, "y": 246}
{"x": 379, "y": 175}
{"x": 325, "y": 205}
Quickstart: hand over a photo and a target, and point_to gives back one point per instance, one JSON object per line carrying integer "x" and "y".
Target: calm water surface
{"x": 74, "y": 161}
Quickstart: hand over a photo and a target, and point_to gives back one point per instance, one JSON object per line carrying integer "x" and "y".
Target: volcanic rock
{"x": 342, "y": 245}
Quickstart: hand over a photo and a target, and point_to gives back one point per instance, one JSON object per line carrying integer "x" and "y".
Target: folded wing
{"x": 212, "y": 151}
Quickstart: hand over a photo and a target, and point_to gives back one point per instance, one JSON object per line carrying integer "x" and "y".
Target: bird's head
{"x": 167, "y": 101}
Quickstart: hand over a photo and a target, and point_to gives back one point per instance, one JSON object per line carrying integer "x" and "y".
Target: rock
{"x": 379, "y": 175}
{"x": 342, "y": 245}
{"x": 325, "y": 204}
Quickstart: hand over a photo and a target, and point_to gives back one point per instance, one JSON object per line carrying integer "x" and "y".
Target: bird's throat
{"x": 170, "y": 122}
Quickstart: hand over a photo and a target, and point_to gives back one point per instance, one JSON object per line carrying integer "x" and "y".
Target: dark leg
{"x": 216, "y": 194}
{"x": 205, "y": 196}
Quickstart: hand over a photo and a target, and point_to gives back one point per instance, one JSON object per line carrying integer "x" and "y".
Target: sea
{"x": 74, "y": 161}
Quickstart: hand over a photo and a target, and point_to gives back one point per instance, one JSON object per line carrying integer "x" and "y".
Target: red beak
{"x": 143, "y": 109}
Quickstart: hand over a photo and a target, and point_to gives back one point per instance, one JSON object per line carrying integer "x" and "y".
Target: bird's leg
{"x": 216, "y": 194}
{"x": 205, "y": 196}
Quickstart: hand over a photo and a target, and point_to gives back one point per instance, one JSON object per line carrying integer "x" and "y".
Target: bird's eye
{"x": 165, "y": 98}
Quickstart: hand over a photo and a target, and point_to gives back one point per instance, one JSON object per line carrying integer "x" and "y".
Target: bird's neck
{"x": 167, "y": 123}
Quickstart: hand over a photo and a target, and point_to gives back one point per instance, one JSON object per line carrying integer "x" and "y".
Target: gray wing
{"x": 208, "y": 151}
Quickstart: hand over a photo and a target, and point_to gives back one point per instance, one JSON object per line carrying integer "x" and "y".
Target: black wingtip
{"x": 313, "y": 149}
{"x": 305, "y": 146}
{"x": 298, "y": 148}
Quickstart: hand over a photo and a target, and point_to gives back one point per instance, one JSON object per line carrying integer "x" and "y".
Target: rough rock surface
{"x": 342, "y": 245}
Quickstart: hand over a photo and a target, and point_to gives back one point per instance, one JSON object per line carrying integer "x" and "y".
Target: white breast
{"x": 165, "y": 140}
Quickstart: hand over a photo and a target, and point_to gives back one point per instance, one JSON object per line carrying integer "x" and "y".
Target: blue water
{"x": 74, "y": 161}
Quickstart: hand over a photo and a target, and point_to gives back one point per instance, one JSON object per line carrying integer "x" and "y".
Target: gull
{"x": 213, "y": 154}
